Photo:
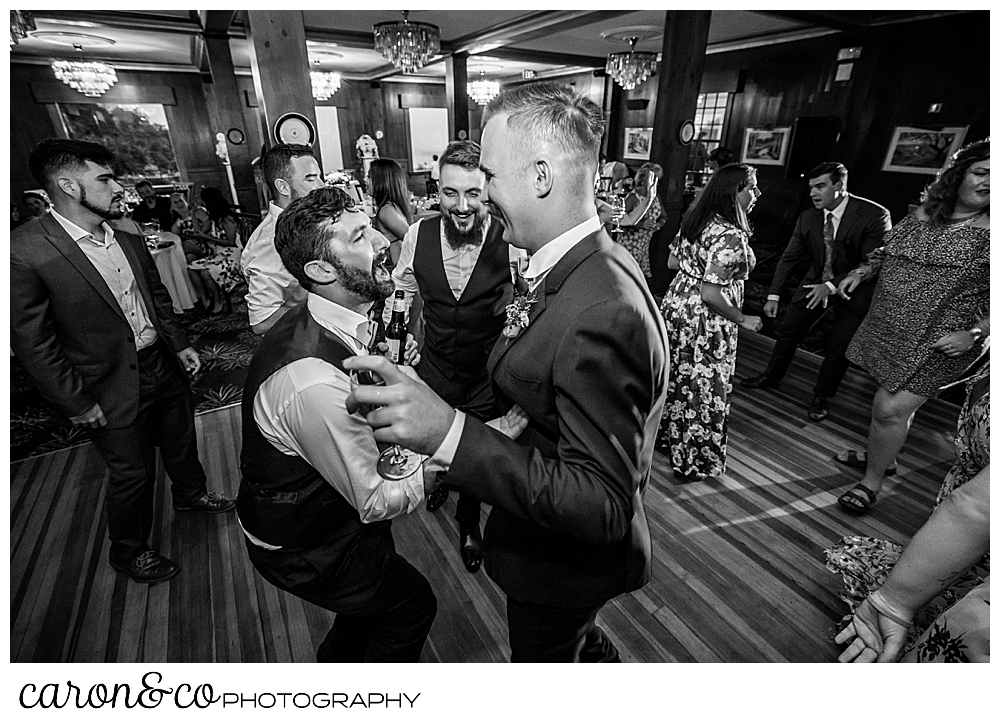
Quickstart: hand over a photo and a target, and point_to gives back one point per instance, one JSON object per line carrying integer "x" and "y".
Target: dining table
{"x": 168, "y": 254}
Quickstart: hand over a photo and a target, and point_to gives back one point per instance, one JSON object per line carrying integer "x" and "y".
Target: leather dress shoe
{"x": 208, "y": 502}
{"x": 819, "y": 409}
{"x": 149, "y": 567}
{"x": 761, "y": 381}
{"x": 470, "y": 543}
{"x": 437, "y": 498}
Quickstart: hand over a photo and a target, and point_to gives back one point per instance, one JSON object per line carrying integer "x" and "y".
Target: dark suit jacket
{"x": 568, "y": 527}
{"x": 862, "y": 228}
{"x": 68, "y": 331}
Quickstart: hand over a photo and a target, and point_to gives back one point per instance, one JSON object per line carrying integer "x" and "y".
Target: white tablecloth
{"x": 172, "y": 265}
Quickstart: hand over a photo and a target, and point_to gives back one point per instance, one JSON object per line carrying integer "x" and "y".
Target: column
{"x": 457, "y": 87}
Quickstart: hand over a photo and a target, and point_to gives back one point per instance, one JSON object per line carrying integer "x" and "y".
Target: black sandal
{"x": 854, "y": 503}
{"x": 853, "y": 460}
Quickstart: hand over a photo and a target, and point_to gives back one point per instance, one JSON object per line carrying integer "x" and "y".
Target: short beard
{"x": 107, "y": 214}
{"x": 363, "y": 285}
{"x": 457, "y": 239}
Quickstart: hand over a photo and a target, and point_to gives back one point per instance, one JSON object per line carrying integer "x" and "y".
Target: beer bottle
{"x": 395, "y": 333}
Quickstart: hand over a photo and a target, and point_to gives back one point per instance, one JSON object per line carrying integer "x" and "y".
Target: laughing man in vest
{"x": 465, "y": 274}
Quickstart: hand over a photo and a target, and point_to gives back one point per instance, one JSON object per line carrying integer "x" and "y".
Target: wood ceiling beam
{"x": 838, "y": 20}
{"x": 217, "y": 23}
{"x": 541, "y": 56}
{"x": 529, "y": 27}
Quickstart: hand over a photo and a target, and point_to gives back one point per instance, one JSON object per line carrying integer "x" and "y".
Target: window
{"x": 137, "y": 134}
{"x": 428, "y": 136}
{"x": 709, "y": 118}
{"x": 328, "y": 128}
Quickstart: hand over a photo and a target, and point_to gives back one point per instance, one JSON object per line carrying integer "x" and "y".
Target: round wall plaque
{"x": 686, "y": 132}
{"x": 294, "y": 128}
{"x": 235, "y": 136}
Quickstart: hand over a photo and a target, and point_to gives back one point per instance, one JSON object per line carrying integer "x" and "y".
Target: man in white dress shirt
{"x": 291, "y": 172}
{"x": 463, "y": 310}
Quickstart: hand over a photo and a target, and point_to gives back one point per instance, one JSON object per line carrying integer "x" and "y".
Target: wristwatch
{"x": 976, "y": 333}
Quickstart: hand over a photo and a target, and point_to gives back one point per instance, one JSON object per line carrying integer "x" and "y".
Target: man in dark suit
{"x": 833, "y": 237}
{"x": 92, "y": 325}
{"x": 152, "y": 207}
{"x": 583, "y": 354}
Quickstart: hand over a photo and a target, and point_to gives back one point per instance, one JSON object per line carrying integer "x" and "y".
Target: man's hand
{"x": 848, "y": 284}
{"x": 189, "y": 360}
{"x": 817, "y": 296}
{"x": 771, "y": 308}
{"x": 512, "y": 423}
{"x": 411, "y": 356}
{"x": 93, "y": 418}
{"x": 408, "y": 412}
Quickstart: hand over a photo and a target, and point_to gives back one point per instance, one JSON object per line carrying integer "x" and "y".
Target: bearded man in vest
{"x": 465, "y": 274}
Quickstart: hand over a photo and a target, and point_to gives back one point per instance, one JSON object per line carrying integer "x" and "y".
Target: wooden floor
{"x": 738, "y": 571}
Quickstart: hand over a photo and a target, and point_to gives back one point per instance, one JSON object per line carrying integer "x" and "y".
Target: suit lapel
{"x": 58, "y": 237}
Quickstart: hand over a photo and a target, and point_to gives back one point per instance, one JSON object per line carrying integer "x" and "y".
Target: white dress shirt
{"x": 458, "y": 265}
{"x": 542, "y": 261}
{"x": 837, "y": 214}
{"x": 269, "y": 284}
{"x": 111, "y": 263}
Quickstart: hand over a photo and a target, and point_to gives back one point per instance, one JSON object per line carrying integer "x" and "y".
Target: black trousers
{"x": 166, "y": 420}
{"x": 794, "y": 328}
{"x": 384, "y": 606}
{"x": 548, "y": 634}
{"x": 475, "y": 398}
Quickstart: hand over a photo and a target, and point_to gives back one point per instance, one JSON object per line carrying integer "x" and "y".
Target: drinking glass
{"x": 394, "y": 463}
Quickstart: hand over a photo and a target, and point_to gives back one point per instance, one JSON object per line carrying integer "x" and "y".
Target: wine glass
{"x": 617, "y": 202}
{"x": 394, "y": 463}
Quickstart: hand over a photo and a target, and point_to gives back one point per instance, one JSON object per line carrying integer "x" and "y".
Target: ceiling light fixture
{"x": 90, "y": 78}
{"x": 324, "y": 84}
{"x": 21, "y": 23}
{"x": 408, "y": 46}
{"x": 483, "y": 91}
{"x": 631, "y": 68}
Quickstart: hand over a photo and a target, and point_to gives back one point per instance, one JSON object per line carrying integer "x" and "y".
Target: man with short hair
{"x": 290, "y": 172}
{"x": 584, "y": 355}
{"x": 315, "y": 511}
{"x": 152, "y": 207}
{"x": 464, "y": 273}
{"x": 834, "y": 236}
{"x": 92, "y": 325}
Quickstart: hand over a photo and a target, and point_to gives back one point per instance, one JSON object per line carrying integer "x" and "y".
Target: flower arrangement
{"x": 337, "y": 178}
{"x": 517, "y": 314}
{"x": 366, "y": 147}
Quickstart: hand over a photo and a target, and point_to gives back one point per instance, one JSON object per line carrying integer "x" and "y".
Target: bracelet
{"x": 878, "y": 601}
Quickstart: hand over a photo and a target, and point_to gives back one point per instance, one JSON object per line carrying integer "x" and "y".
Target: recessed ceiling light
{"x": 85, "y": 40}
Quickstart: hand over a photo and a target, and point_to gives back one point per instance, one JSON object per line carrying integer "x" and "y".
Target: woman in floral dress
{"x": 936, "y": 631}
{"x": 702, "y": 314}
{"x": 644, "y": 216}
{"x": 220, "y": 269}
{"x": 930, "y": 312}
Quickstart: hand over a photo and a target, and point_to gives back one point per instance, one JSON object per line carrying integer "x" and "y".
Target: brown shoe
{"x": 148, "y": 567}
{"x": 208, "y": 502}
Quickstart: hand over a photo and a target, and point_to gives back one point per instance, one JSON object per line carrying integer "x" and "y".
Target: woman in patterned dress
{"x": 220, "y": 269}
{"x": 945, "y": 602}
{"x": 702, "y": 313}
{"x": 930, "y": 312}
{"x": 644, "y": 216}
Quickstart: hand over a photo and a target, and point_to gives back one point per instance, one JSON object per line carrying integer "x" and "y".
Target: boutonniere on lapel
{"x": 517, "y": 314}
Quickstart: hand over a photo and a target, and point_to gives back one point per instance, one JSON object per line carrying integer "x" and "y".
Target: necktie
{"x": 828, "y": 247}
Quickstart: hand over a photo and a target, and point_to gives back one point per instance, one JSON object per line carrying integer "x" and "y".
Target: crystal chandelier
{"x": 483, "y": 91}
{"x": 631, "y": 68}
{"x": 91, "y": 79}
{"x": 324, "y": 84}
{"x": 408, "y": 46}
{"x": 21, "y": 23}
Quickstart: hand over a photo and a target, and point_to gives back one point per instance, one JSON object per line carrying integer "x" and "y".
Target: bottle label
{"x": 394, "y": 356}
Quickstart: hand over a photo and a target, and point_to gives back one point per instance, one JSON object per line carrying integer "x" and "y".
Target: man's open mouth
{"x": 378, "y": 265}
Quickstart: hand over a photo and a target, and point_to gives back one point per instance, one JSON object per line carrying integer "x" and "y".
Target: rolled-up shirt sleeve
{"x": 307, "y": 417}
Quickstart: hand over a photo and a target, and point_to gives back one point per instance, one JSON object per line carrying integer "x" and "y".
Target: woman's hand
{"x": 873, "y": 637}
{"x": 955, "y": 343}
{"x": 848, "y": 284}
{"x": 752, "y": 323}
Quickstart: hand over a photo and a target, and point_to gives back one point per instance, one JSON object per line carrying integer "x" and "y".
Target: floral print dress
{"x": 702, "y": 348}
{"x": 636, "y": 239}
{"x": 222, "y": 263}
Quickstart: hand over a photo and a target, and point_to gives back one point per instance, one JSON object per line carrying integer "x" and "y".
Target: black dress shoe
{"x": 208, "y": 502}
{"x": 437, "y": 498}
{"x": 148, "y": 567}
{"x": 761, "y": 381}
{"x": 819, "y": 409}
{"x": 470, "y": 543}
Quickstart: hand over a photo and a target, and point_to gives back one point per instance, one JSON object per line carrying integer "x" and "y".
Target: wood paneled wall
{"x": 190, "y": 129}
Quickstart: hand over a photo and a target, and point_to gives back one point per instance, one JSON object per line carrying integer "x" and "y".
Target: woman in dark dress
{"x": 930, "y": 312}
{"x": 392, "y": 203}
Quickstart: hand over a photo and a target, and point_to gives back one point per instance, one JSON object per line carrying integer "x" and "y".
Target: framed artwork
{"x": 765, "y": 146}
{"x": 922, "y": 150}
{"x": 637, "y": 143}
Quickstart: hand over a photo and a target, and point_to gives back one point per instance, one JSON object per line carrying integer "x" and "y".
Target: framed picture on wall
{"x": 765, "y": 146}
{"x": 637, "y": 143}
{"x": 922, "y": 150}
